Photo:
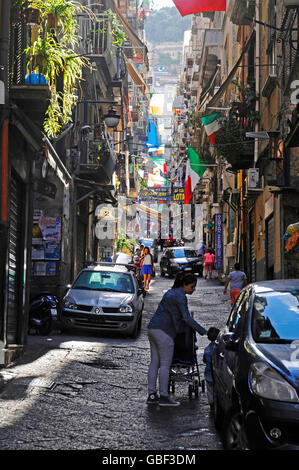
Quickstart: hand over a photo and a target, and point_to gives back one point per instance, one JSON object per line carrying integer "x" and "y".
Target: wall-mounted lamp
{"x": 111, "y": 119}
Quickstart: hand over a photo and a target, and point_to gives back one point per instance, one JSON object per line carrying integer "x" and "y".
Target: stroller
{"x": 184, "y": 367}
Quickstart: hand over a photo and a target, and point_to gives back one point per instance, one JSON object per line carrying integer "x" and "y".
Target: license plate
{"x": 53, "y": 312}
{"x": 188, "y": 269}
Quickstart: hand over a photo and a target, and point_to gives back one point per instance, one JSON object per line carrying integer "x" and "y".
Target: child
{"x": 207, "y": 359}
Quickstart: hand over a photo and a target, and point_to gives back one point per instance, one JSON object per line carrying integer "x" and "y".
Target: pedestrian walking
{"x": 209, "y": 262}
{"x": 171, "y": 315}
{"x": 237, "y": 280}
{"x": 207, "y": 359}
{"x": 148, "y": 267}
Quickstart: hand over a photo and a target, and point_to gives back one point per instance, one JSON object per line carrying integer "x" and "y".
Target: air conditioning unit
{"x": 291, "y": 3}
{"x": 253, "y": 178}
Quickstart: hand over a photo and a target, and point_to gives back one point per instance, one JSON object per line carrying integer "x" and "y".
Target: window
{"x": 104, "y": 281}
{"x": 276, "y": 317}
{"x": 240, "y": 308}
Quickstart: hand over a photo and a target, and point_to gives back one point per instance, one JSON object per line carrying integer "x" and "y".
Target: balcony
{"x": 211, "y": 55}
{"x": 288, "y": 66}
{"x": 96, "y": 42}
{"x": 30, "y": 94}
{"x": 98, "y": 163}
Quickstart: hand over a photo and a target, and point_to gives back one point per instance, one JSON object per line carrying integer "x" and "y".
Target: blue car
{"x": 255, "y": 367}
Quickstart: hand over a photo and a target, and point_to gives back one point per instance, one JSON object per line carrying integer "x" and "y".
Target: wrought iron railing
{"x": 95, "y": 34}
{"x": 289, "y": 38}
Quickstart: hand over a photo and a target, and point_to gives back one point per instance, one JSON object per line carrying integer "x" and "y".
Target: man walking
{"x": 237, "y": 280}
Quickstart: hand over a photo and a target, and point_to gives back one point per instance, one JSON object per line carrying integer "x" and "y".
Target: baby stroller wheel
{"x": 196, "y": 388}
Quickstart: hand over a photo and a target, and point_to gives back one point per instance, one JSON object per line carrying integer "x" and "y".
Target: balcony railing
{"x": 95, "y": 34}
{"x": 287, "y": 69}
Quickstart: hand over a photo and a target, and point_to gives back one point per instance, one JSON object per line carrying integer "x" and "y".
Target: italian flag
{"x": 195, "y": 168}
{"x": 188, "y": 7}
{"x": 212, "y": 125}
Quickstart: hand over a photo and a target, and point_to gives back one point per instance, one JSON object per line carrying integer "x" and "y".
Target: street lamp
{"x": 111, "y": 119}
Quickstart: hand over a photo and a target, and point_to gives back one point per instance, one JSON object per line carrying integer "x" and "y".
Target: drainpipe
{"x": 257, "y": 76}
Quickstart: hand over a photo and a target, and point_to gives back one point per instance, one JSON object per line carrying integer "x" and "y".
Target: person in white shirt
{"x": 147, "y": 267}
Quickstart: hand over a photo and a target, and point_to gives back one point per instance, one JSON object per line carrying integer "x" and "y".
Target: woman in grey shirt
{"x": 169, "y": 318}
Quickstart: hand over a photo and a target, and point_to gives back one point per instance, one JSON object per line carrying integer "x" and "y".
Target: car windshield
{"x": 146, "y": 242}
{"x": 276, "y": 317}
{"x": 182, "y": 253}
{"x": 104, "y": 281}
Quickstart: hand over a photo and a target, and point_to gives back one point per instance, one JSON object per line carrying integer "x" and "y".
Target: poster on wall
{"x": 46, "y": 243}
{"x": 43, "y": 268}
{"x": 52, "y": 250}
{"x": 38, "y": 249}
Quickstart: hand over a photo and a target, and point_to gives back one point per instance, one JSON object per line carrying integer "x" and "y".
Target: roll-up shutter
{"x": 270, "y": 247}
{"x": 252, "y": 248}
{"x": 15, "y": 243}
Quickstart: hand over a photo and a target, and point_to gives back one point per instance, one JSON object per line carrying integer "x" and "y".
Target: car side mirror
{"x": 231, "y": 343}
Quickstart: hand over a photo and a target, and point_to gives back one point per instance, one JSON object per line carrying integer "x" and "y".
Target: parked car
{"x": 152, "y": 243}
{"x": 255, "y": 366}
{"x": 168, "y": 242}
{"x": 122, "y": 258}
{"x": 104, "y": 298}
{"x": 177, "y": 259}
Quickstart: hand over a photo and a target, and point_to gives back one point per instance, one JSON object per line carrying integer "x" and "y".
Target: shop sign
{"x": 178, "y": 195}
{"x": 219, "y": 241}
{"x": 161, "y": 193}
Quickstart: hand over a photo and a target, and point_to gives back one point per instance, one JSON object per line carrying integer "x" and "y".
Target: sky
{"x": 163, "y": 3}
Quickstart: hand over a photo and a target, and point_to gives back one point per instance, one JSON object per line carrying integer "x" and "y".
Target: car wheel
{"x": 137, "y": 328}
{"x": 234, "y": 434}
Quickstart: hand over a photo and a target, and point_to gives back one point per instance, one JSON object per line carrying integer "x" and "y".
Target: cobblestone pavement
{"x": 79, "y": 392}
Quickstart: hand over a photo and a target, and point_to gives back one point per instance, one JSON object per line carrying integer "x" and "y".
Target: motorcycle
{"x": 42, "y": 313}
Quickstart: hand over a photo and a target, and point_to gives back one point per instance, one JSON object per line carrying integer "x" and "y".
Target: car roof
{"x": 181, "y": 248}
{"x": 113, "y": 268}
{"x": 275, "y": 285}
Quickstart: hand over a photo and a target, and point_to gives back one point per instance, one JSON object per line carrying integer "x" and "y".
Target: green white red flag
{"x": 212, "y": 125}
{"x": 188, "y": 7}
{"x": 195, "y": 168}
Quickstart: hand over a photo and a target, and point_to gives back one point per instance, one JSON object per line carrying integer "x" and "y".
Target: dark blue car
{"x": 255, "y": 367}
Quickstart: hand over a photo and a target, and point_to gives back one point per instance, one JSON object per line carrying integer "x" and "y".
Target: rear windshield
{"x": 276, "y": 317}
{"x": 104, "y": 281}
{"x": 182, "y": 253}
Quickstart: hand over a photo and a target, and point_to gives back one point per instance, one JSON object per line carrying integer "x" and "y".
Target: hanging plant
{"x": 51, "y": 58}
{"x": 117, "y": 32}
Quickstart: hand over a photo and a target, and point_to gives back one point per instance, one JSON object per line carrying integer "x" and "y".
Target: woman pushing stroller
{"x": 166, "y": 323}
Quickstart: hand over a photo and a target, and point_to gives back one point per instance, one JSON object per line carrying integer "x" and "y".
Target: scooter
{"x": 42, "y": 313}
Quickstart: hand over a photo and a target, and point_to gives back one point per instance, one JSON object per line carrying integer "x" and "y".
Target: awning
{"x": 136, "y": 77}
{"x": 229, "y": 78}
{"x": 131, "y": 35}
{"x": 188, "y": 7}
{"x": 100, "y": 192}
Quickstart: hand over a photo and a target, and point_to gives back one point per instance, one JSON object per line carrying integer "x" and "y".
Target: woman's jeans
{"x": 161, "y": 358}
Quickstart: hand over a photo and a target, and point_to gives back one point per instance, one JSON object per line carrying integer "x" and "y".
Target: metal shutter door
{"x": 14, "y": 289}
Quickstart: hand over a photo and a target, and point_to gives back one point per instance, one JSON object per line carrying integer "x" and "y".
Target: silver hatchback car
{"x": 104, "y": 298}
